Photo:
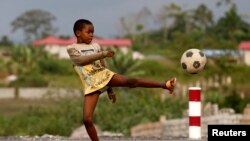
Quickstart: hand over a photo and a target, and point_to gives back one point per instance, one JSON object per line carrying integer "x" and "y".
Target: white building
{"x": 57, "y": 46}
{"x": 245, "y": 48}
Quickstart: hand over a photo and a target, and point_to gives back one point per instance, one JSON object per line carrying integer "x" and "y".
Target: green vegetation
{"x": 51, "y": 116}
{"x": 134, "y": 107}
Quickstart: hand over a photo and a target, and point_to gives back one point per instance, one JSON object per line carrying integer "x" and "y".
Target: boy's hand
{"x": 111, "y": 95}
{"x": 108, "y": 53}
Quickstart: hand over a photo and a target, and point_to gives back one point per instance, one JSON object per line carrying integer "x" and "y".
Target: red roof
{"x": 244, "y": 45}
{"x": 52, "y": 40}
{"x": 113, "y": 42}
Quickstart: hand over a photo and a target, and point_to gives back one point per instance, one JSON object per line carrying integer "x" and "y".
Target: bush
{"x": 214, "y": 96}
{"x": 59, "y": 118}
{"x": 134, "y": 107}
{"x": 31, "y": 80}
{"x": 56, "y": 66}
{"x": 235, "y": 101}
{"x": 230, "y": 100}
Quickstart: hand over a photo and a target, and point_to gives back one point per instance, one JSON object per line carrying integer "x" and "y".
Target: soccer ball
{"x": 193, "y": 61}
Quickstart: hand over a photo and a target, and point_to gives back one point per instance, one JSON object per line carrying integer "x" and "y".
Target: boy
{"x": 87, "y": 58}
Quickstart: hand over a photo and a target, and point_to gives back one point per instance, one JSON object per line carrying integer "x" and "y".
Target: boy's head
{"x": 80, "y": 24}
{"x": 84, "y": 31}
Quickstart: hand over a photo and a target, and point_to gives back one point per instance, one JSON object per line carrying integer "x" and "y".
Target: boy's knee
{"x": 87, "y": 121}
{"x": 132, "y": 82}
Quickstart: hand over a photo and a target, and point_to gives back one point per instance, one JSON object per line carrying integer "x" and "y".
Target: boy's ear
{"x": 77, "y": 33}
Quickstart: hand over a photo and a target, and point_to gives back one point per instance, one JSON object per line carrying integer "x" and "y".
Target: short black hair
{"x": 80, "y": 23}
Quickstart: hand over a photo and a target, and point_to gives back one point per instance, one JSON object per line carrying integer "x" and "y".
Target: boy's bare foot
{"x": 170, "y": 85}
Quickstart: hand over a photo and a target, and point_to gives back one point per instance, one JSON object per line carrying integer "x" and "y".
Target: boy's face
{"x": 86, "y": 34}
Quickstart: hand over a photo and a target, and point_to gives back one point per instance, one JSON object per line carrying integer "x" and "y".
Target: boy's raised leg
{"x": 123, "y": 81}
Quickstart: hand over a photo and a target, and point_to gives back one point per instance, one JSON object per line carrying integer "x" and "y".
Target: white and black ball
{"x": 193, "y": 61}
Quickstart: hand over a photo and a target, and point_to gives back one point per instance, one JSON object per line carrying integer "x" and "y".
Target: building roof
{"x": 113, "y": 42}
{"x": 53, "y": 40}
{"x": 50, "y": 40}
{"x": 221, "y": 52}
{"x": 244, "y": 45}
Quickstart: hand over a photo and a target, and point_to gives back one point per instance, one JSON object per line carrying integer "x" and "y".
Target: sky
{"x": 105, "y": 14}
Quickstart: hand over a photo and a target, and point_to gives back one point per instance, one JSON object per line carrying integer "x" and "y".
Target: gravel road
{"x": 59, "y": 138}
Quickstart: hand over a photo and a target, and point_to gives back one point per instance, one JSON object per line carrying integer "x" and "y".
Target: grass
{"x": 11, "y": 107}
{"x": 61, "y": 116}
{"x": 37, "y": 117}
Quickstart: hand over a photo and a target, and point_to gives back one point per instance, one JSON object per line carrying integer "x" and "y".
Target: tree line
{"x": 146, "y": 26}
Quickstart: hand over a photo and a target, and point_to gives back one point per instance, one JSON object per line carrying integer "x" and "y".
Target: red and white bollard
{"x": 194, "y": 112}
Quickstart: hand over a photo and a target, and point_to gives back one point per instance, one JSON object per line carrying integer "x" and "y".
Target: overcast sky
{"x": 105, "y": 14}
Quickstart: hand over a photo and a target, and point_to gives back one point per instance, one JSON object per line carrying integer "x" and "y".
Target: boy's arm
{"x": 103, "y": 62}
{"x": 82, "y": 60}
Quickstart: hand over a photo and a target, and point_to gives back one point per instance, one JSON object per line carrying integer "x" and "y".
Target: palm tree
{"x": 203, "y": 17}
{"x": 225, "y": 2}
{"x": 24, "y": 58}
{"x": 142, "y": 24}
{"x": 27, "y": 58}
{"x": 232, "y": 27}
{"x": 167, "y": 16}
{"x": 125, "y": 64}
